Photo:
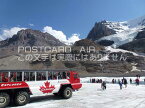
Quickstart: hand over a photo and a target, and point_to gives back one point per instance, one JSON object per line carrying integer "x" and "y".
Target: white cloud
{"x": 61, "y": 36}
{"x": 73, "y": 38}
{"x": 7, "y": 33}
{"x": 31, "y": 24}
{"x": 57, "y": 34}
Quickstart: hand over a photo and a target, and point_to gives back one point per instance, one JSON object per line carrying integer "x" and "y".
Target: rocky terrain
{"x": 100, "y": 30}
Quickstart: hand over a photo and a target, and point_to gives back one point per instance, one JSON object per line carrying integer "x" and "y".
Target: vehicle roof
{"x": 51, "y": 70}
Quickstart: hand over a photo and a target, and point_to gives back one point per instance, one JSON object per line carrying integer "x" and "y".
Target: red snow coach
{"x": 18, "y": 85}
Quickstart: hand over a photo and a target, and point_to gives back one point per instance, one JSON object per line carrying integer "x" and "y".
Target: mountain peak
{"x": 29, "y": 31}
{"x": 117, "y": 33}
{"x": 100, "y": 30}
{"x": 140, "y": 21}
{"x": 31, "y": 37}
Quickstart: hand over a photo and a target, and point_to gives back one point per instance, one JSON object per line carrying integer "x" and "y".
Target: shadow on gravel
{"x": 40, "y": 99}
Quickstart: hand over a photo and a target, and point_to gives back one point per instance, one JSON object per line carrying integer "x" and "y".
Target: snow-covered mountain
{"x": 123, "y": 37}
{"x": 123, "y": 32}
{"x": 140, "y": 21}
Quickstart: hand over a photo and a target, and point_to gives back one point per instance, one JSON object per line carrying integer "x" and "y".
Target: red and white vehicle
{"x": 18, "y": 85}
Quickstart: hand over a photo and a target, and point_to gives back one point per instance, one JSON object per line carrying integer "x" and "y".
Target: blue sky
{"x": 69, "y": 16}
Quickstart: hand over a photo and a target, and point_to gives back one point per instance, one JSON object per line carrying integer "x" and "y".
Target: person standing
{"x": 113, "y": 81}
{"x": 125, "y": 82}
{"x": 120, "y": 84}
{"x": 137, "y": 81}
{"x": 90, "y": 80}
{"x": 130, "y": 81}
{"x": 103, "y": 85}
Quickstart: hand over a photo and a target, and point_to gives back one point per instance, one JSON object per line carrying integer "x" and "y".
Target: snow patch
{"x": 109, "y": 48}
{"x": 105, "y": 58}
{"x": 134, "y": 68}
{"x": 117, "y": 26}
{"x": 122, "y": 37}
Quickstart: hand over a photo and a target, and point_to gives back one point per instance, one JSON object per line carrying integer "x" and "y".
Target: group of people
{"x": 93, "y": 80}
{"x": 121, "y": 82}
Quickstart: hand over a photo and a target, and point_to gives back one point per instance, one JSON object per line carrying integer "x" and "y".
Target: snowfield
{"x": 122, "y": 37}
{"x": 126, "y": 31}
{"x": 92, "y": 96}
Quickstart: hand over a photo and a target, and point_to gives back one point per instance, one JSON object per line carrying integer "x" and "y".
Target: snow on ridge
{"x": 117, "y": 26}
{"x": 126, "y": 31}
{"x": 125, "y": 25}
{"x": 134, "y": 68}
{"x": 140, "y": 21}
{"x": 105, "y": 58}
{"x": 109, "y": 48}
{"x": 122, "y": 37}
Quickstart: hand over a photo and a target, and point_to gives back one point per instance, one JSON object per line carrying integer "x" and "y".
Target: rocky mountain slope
{"x": 27, "y": 37}
{"x": 127, "y": 35}
{"x": 32, "y": 38}
{"x": 100, "y": 30}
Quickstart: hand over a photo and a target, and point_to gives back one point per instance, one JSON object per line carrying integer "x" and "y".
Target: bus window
{"x": 13, "y": 76}
{"x": 19, "y": 76}
{"x": 41, "y": 76}
{"x": 68, "y": 75}
{"x": 59, "y": 75}
{"x": 29, "y": 76}
{"x": 64, "y": 75}
{"x": 32, "y": 76}
{"x": 76, "y": 76}
{"x": 50, "y": 76}
{"x": 0, "y": 76}
{"x": 4, "y": 76}
{"x": 26, "y": 76}
{"x": 55, "y": 75}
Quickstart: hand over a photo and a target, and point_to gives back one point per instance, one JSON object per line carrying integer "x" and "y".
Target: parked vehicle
{"x": 18, "y": 85}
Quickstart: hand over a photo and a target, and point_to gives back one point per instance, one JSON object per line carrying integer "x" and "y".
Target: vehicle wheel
{"x": 4, "y": 100}
{"x": 22, "y": 98}
{"x": 67, "y": 93}
{"x": 56, "y": 94}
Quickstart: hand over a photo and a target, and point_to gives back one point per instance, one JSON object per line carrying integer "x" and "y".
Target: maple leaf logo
{"x": 47, "y": 88}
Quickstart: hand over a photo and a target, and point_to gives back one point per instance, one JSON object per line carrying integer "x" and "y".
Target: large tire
{"x": 56, "y": 94}
{"x": 66, "y": 93}
{"x": 22, "y": 98}
{"x": 4, "y": 100}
